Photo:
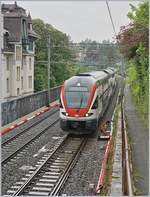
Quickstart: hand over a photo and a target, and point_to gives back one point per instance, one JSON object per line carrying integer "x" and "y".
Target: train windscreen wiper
{"x": 81, "y": 101}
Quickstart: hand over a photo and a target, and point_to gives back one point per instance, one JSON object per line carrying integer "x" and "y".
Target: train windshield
{"x": 77, "y": 97}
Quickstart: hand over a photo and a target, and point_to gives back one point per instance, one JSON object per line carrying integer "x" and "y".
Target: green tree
{"x": 61, "y": 55}
{"x": 133, "y": 41}
{"x": 97, "y": 54}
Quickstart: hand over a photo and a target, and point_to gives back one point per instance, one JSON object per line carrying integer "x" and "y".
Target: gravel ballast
{"x": 29, "y": 158}
{"x": 85, "y": 172}
{"x": 28, "y": 124}
{"x": 87, "y": 169}
{"x": 84, "y": 177}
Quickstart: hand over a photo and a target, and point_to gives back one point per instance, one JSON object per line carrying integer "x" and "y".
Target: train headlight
{"x": 65, "y": 113}
{"x": 88, "y": 114}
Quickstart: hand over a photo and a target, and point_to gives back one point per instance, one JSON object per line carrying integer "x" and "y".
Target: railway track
{"x": 12, "y": 147}
{"x": 5, "y": 142}
{"x": 51, "y": 171}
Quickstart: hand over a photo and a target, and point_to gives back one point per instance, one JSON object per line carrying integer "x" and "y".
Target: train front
{"x": 76, "y": 112}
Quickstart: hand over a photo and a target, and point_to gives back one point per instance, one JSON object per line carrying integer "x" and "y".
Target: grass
{"x": 130, "y": 146}
{"x": 142, "y": 111}
{"x": 109, "y": 166}
{"x": 141, "y": 106}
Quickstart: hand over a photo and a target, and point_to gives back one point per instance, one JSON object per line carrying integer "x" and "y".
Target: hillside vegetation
{"x": 133, "y": 40}
{"x": 60, "y": 56}
{"x": 63, "y": 55}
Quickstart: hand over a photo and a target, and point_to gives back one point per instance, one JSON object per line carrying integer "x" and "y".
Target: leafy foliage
{"x": 61, "y": 68}
{"x": 61, "y": 55}
{"x": 100, "y": 55}
{"x": 133, "y": 40}
{"x": 108, "y": 54}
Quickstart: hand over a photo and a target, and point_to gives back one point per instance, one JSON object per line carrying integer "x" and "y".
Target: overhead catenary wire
{"x": 114, "y": 29}
{"x": 72, "y": 45}
{"x": 98, "y": 45}
{"x": 111, "y": 18}
{"x": 126, "y": 172}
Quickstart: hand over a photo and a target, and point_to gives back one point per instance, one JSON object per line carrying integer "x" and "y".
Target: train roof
{"x": 108, "y": 71}
{"x": 113, "y": 69}
{"x": 98, "y": 75}
{"x": 88, "y": 78}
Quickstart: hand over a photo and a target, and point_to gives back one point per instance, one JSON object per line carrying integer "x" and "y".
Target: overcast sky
{"x": 81, "y": 19}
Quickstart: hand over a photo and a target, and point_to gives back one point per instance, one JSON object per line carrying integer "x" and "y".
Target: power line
{"x": 98, "y": 45}
{"x": 111, "y": 18}
{"x": 114, "y": 32}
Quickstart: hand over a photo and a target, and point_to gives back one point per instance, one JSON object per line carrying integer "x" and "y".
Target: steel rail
{"x": 101, "y": 180}
{"x": 26, "y": 184}
{"x": 4, "y": 161}
{"x": 70, "y": 163}
{"x": 68, "y": 169}
{"x": 25, "y": 130}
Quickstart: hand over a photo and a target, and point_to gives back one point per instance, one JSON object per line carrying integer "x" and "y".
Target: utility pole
{"x": 48, "y": 71}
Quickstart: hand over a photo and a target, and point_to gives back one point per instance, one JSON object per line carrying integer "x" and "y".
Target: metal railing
{"x": 126, "y": 171}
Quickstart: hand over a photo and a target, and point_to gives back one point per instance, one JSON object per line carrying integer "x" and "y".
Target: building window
{"x": 22, "y": 66}
{"x": 18, "y": 53}
{"x": 5, "y": 41}
{"x": 22, "y": 83}
{"x": 18, "y": 73}
{"x": 7, "y": 62}
{"x": 30, "y": 81}
{"x": 24, "y": 32}
{"x": 30, "y": 45}
{"x": 7, "y": 84}
{"x": 23, "y": 62}
{"x": 18, "y": 91}
{"x": 30, "y": 26}
{"x": 30, "y": 63}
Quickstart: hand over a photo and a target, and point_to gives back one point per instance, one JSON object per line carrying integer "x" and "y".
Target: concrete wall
{"x": 19, "y": 107}
{"x": 1, "y": 54}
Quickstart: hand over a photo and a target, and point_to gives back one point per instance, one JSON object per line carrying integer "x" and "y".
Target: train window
{"x": 78, "y": 88}
{"x": 95, "y": 105}
{"x": 85, "y": 82}
{"x": 77, "y": 99}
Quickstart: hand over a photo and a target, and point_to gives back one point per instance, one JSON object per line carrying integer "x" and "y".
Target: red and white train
{"x": 84, "y": 98}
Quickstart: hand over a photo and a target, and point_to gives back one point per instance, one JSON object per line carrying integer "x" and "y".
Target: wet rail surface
{"x": 87, "y": 170}
{"x": 52, "y": 169}
{"x": 19, "y": 183}
{"x": 29, "y": 126}
{"x": 13, "y": 146}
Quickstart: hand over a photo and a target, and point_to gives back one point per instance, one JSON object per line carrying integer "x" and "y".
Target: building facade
{"x": 18, "y": 52}
{"x": 1, "y": 49}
